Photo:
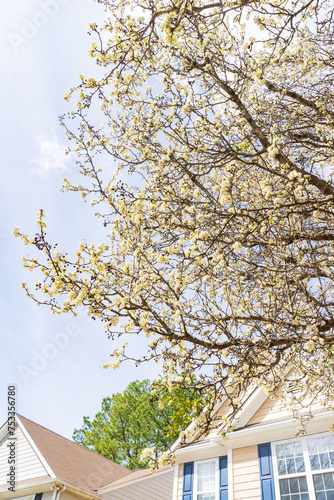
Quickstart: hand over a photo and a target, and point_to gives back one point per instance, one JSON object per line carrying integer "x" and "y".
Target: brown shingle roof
{"x": 72, "y": 462}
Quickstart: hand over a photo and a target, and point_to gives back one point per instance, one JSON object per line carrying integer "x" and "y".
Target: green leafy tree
{"x": 137, "y": 419}
{"x": 207, "y": 151}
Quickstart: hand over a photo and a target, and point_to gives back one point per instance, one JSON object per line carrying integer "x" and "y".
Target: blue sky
{"x": 55, "y": 361}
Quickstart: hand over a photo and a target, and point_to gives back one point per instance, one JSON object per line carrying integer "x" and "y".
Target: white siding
{"x": 28, "y": 465}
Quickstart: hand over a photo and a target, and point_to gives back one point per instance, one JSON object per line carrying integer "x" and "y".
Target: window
{"x": 305, "y": 468}
{"x": 205, "y": 480}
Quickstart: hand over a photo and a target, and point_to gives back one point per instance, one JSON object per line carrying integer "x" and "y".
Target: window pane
{"x": 331, "y": 456}
{"x": 280, "y": 450}
{"x": 294, "y": 488}
{"x": 316, "y": 445}
{"x": 312, "y": 445}
{"x": 290, "y": 459}
{"x": 281, "y": 467}
{"x": 284, "y": 486}
{"x": 318, "y": 482}
{"x": 321, "y": 442}
{"x": 206, "y": 496}
{"x": 329, "y": 481}
{"x": 315, "y": 462}
{"x": 206, "y": 477}
{"x": 324, "y": 460}
{"x": 303, "y": 484}
{"x": 321, "y": 452}
{"x": 300, "y": 467}
{"x": 324, "y": 486}
{"x": 289, "y": 449}
{"x": 291, "y": 468}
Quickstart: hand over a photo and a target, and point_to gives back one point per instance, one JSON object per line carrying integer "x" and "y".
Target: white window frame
{"x": 308, "y": 471}
{"x": 216, "y": 461}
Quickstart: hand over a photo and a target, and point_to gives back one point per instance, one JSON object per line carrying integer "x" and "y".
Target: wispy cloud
{"x": 52, "y": 156}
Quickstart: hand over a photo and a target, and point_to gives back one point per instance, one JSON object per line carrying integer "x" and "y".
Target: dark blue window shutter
{"x": 266, "y": 472}
{"x": 188, "y": 479}
{"x": 223, "y": 479}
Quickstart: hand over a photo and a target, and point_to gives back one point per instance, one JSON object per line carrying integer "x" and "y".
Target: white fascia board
{"x": 276, "y": 431}
{"x": 175, "y": 481}
{"x": 230, "y": 480}
{"x": 36, "y": 450}
{"x": 269, "y": 431}
{"x": 249, "y": 408}
{"x": 43, "y": 486}
{"x": 134, "y": 481}
{"x": 28, "y": 489}
{"x": 215, "y": 447}
{"x": 254, "y": 401}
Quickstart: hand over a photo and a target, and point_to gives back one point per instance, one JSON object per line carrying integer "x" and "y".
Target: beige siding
{"x": 69, "y": 495}
{"x": 246, "y": 476}
{"x": 270, "y": 410}
{"x": 28, "y": 465}
{"x": 273, "y": 409}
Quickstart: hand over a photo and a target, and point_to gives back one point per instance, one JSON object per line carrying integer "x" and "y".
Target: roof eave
{"x": 112, "y": 487}
{"x": 45, "y": 485}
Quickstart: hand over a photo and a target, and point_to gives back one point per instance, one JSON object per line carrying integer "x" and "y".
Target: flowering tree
{"x": 213, "y": 123}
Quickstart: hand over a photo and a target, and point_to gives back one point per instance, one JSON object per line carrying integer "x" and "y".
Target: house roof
{"x": 71, "y": 462}
{"x": 137, "y": 476}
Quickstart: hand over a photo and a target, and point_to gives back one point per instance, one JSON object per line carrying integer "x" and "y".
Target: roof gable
{"x": 252, "y": 400}
{"x": 71, "y": 462}
{"x": 29, "y": 465}
{"x": 249, "y": 408}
